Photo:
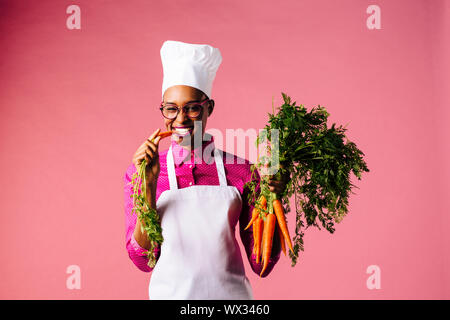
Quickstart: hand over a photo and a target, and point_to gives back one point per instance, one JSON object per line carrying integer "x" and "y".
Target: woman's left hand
{"x": 277, "y": 185}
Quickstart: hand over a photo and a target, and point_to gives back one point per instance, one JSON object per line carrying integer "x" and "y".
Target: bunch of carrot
{"x": 264, "y": 223}
{"x": 319, "y": 160}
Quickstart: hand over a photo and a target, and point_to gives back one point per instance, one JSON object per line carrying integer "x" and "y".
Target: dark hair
{"x": 201, "y": 93}
{"x": 198, "y": 92}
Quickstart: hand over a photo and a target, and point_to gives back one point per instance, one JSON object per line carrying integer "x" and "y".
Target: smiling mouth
{"x": 182, "y": 131}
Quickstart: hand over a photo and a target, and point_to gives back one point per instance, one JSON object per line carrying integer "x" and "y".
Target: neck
{"x": 191, "y": 145}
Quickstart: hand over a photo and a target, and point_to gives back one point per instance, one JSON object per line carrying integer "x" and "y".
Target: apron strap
{"x": 171, "y": 170}
{"x": 220, "y": 168}
{"x": 173, "y": 177}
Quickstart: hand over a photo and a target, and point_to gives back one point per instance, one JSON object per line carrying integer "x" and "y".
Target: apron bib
{"x": 200, "y": 257}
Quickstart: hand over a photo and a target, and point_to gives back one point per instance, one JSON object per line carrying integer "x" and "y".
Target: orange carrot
{"x": 260, "y": 228}
{"x": 279, "y": 212}
{"x": 261, "y": 244}
{"x": 283, "y": 245}
{"x": 255, "y": 212}
{"x": 269, "y": 228}
{"x": 254, "y": 237}
{"x": 259, "y": 225}
{"x": 263, "y": 202}
{"x": 165, "y": 134}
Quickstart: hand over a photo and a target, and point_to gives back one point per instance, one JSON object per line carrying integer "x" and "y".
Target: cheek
{"x": 204, "y": 120}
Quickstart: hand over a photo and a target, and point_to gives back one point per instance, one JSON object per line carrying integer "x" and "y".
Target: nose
{"x": 181, "y": 117}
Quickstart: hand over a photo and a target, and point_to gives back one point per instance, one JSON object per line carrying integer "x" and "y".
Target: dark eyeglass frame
{"x": 202, "y": 103}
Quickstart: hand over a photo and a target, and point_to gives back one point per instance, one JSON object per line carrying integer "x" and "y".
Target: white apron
{"x": 200, "y": 257}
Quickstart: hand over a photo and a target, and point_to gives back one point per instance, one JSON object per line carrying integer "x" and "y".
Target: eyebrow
{"x": 186, "y": 102}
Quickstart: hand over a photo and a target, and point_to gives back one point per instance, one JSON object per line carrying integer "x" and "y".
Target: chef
{"x": 199, "y": 196}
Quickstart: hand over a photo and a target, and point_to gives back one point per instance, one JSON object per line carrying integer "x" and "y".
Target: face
{"x": 180, "y": 95}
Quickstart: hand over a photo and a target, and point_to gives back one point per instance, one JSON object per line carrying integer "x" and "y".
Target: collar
{"x": 198, "y": 155}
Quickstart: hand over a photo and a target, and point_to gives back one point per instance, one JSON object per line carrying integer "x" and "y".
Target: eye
{"x": 170, "y": 108}
{"x": 194, "y": 108}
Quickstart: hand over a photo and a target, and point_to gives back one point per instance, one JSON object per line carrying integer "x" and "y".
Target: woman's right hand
{"x": 149, "y": 151}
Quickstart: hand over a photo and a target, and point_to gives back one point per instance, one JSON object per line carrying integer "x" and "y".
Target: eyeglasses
{"x": 193, "y": 109}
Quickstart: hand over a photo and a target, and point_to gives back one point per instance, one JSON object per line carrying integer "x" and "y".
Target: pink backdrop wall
{"x": 76, "y": 104}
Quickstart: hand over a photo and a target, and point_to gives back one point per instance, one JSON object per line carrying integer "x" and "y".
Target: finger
{"x": 142, "y": 157}
{"x": 276, "y": 189}
{"x": 275, "y": 183}
{"x": 150, "y": 153}
{"x": 151, "y": 145}
{"x": 141, "y": 148}
{"x": 286, "y": 176}
{"x": 154, "y": 149}
{"x": 139, "y": 161}
{"x": 156, "y": 142}
{"x": 154, "y": 145}
{"x": 138, "y": 156}
{"x": 154, "y": 156}
{"x": 274, "y": 177}
{"x": 283, "y": 178}
{"x": 154, "y": 134}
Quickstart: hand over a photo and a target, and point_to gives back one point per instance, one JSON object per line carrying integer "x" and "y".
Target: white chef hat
{"x": 189, "y": 64}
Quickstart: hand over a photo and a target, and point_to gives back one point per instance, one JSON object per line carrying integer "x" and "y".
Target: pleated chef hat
{"x": 189, "y": 64}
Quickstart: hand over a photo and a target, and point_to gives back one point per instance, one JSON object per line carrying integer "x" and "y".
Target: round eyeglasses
{"x": 192, "y": 110}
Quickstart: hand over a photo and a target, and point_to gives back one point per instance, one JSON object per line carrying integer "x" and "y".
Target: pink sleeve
{"x": 135, "y": 251}
{"x": 247, "y": 235}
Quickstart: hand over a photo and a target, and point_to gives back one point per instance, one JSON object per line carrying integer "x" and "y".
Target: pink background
{"x": 76, "y": 104}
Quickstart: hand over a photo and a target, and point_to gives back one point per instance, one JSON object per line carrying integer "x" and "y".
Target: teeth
{"x": 182, "y": 130}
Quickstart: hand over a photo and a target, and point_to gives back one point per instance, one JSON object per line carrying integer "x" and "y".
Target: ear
{"x": 211, "y": 107}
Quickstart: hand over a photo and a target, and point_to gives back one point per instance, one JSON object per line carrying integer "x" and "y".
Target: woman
{"x": 199, "y": 198}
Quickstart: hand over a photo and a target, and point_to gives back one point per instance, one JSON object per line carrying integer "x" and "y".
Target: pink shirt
{"x": 198, "y": 168}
